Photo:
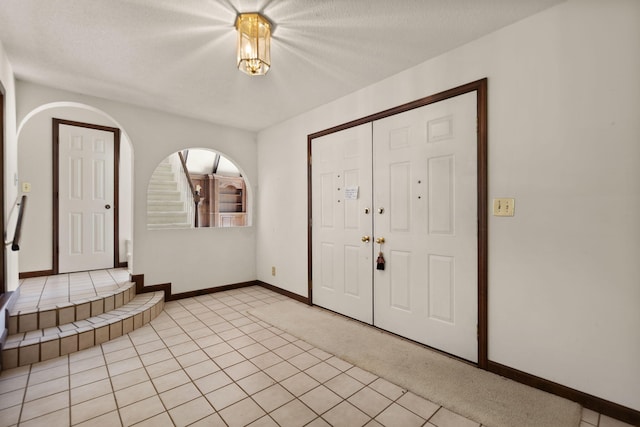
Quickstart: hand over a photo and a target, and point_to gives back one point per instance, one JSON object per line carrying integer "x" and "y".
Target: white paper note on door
{"x": 351, "y": 193}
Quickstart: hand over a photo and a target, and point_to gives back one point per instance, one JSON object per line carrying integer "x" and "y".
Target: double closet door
{"x": 404, "y": 188}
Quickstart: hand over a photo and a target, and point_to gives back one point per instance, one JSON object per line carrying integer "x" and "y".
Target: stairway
{"x": 44, "y": 333}
{"x": 165, "y": 205}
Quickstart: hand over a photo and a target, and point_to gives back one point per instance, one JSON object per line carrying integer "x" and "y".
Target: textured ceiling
{"x": 179, "y": 56}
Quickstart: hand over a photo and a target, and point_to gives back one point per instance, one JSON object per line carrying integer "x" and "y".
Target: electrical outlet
{"x": 273, "y": 271}
{"x": 504, "y": 207}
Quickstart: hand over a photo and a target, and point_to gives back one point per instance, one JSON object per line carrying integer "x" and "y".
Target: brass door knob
{"x": 380, "y": 240}
{"x": 365, "y": 239}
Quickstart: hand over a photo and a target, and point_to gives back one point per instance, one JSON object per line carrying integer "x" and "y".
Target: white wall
{"x": 10, "y": 190}
{"x": 35, "y": 151}
{"x": 189, "y": 259}
{"x": 564, "y": 276}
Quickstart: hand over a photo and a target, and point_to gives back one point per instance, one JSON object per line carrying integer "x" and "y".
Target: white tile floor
{"x": 205, "y": 361}
{"x": 48, "y": 291}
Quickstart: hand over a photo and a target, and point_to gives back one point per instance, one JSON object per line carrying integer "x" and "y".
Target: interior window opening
{"x": 196, "y": 188}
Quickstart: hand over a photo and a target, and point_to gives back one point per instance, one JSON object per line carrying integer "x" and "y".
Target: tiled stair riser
{"x": 25, "y": 321}
{"x": 97, "y": 330}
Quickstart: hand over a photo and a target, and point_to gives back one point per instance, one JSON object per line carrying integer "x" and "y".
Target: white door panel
{"x": 341, "y": 191}
{"x": 425, "y": 180}
{"x": 86, "y": 199}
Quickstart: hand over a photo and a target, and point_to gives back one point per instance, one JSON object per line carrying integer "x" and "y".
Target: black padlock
{"x": 380, "y": 262}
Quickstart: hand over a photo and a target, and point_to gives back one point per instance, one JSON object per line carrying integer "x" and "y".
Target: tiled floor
{"x": 205, "y": 361}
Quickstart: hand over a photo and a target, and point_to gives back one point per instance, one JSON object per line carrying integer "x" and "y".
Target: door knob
{"x": 365, "y": 239}
{"x": 380, "y": 240}
{"x": 107, "y": 206}
{"x": 380, "y": 211}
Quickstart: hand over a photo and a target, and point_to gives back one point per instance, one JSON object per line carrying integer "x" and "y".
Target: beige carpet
{"x": 479, "y": 395}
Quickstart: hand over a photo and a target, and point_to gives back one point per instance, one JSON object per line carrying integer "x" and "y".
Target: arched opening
{"x": 197, "y": 188}
{"x": 35, "y": 166}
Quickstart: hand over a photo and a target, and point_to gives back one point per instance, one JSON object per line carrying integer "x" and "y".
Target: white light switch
{"x": 504, "y": 207}
{"x": 26, "y": 187}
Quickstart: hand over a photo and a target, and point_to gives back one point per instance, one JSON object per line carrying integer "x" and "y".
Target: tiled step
{"x": 43, "y": 344}
{"x": 27, "y": 320}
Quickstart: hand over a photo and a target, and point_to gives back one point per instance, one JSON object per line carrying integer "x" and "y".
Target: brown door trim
{"x": 480, "y": 87}
{"x": 3, "y": 267}
{"x": 56, "y": 185}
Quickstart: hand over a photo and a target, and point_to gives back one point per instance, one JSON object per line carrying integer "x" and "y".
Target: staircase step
{"x": 160, "y": 180}
{"x": 165, "y": 206}
{"x": 163, "y": 195}
{"x": 166, "y": 217}
{"x": 45, "y": 317}
{"x": 168, "y": 226}
{"x": 163, "y": 185}
{"x": 163, "y": 174}
{"x": 43, "y": 344}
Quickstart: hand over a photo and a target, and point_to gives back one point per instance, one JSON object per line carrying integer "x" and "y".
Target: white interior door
{"x": 86, "y": 199}
{"x": 425, "y": 186}
{"x": 341, "y": 212}
{"x": 416, "y": 178}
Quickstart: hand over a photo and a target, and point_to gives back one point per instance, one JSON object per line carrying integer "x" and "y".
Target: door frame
{"x": 56, "y": 185}
{"x": 3, "y": 266}
{"x": 480, "y": 87}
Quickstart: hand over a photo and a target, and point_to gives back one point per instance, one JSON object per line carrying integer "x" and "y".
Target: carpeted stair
{"x": 165, "y": 207}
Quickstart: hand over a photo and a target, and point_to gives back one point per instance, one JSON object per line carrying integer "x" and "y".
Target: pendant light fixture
{"x": 254, "y": 43}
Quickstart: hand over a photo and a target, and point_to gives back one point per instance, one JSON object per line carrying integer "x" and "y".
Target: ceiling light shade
{"x": 254, "y": 43}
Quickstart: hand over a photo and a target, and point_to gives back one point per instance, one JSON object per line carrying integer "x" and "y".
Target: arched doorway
{"x": 35, "y": 165}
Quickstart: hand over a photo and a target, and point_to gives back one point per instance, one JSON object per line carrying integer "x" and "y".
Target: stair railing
{"x": 195, "y": 193}
{"x": 15, "y": 243}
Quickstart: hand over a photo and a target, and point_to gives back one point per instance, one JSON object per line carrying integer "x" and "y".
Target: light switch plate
{"x": 503, "y": 207}
{"x": 26, "y": 187}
